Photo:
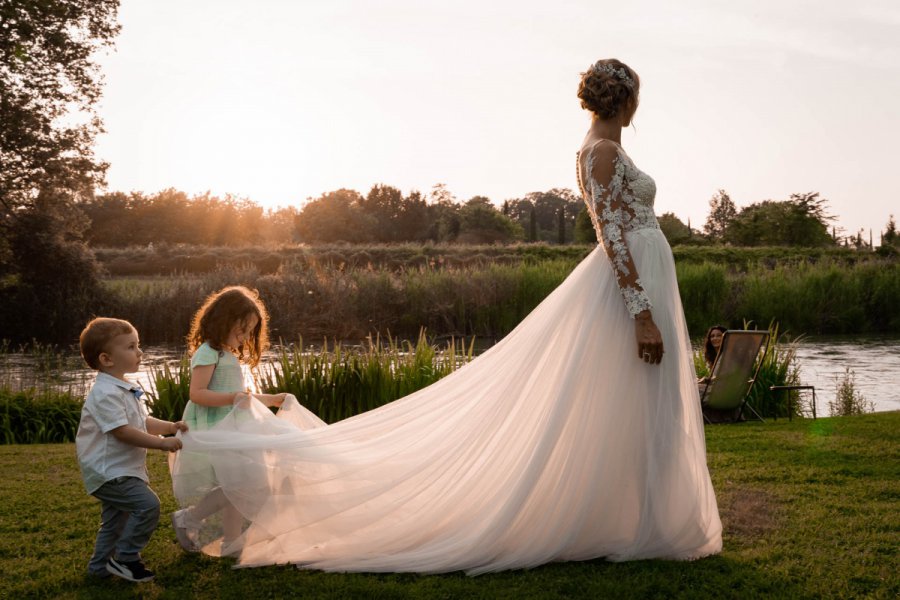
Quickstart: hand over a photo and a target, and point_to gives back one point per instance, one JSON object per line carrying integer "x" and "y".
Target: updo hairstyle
{"x": 608, "y": 87}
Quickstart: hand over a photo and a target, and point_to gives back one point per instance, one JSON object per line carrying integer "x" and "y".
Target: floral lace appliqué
{"x": 615, "y": 209}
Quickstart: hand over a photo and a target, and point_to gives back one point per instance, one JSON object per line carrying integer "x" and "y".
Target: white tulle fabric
{"x": 556, "y": 444}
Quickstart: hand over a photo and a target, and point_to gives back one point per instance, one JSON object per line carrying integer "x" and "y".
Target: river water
{"x": 875, "y": 362}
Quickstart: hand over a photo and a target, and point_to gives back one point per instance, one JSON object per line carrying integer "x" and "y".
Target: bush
{"x": 848, "y": 400}
{"x": 50, "y": 284}
{"x": 38, "y": 417}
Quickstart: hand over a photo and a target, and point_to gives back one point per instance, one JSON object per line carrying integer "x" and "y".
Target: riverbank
{"x": 809, "y": 510}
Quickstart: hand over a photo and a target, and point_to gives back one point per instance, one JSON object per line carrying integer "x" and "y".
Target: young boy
{"x": 113, "y": 435}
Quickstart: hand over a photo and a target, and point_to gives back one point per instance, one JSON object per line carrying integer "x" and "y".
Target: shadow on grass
{"x": 714, "y": 577}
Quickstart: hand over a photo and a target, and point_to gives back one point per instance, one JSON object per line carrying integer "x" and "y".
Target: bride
{"x": 574, "y": 437}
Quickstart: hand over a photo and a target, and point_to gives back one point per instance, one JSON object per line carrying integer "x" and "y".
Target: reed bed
{"x": 490, "y": 299}
{"x": 35, "y": 416}
{"x": 333, "y": 382}
{"x": 340, "y": 382}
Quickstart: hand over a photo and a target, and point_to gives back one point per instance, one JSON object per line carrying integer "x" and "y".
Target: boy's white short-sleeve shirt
{"x": 111, "y": 403}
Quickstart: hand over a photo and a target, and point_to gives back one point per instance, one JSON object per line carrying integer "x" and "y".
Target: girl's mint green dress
{"x": 227, "y": 377}
{"x": 198, "y": 476}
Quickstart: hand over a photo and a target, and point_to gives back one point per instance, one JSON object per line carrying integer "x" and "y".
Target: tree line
{"x": 383, "y": 215}
{"x": 386, "y": 215}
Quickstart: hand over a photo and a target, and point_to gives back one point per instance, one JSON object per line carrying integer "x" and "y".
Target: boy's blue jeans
{"x": 130, "y": 513}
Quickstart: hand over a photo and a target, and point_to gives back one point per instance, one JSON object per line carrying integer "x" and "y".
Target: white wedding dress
{"x": 556, "y": 444}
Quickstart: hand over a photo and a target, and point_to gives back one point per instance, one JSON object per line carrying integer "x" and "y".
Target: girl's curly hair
{"x": 224, "y": 309}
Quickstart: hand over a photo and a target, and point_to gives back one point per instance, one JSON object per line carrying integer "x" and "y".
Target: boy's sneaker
{"x": 185, "y": 530}
{"x": 94, "y": 575}
{"x": 131, "y": 570}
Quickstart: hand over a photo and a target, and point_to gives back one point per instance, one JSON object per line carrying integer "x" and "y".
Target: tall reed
{"x": 779, "y": 367}
{"x": 338, "y": 383}
{"x": 171, "y": 390}
{"x": 704, "y": 292}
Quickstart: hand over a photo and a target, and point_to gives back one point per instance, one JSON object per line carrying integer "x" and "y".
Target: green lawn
{"x": 811, "y": 510}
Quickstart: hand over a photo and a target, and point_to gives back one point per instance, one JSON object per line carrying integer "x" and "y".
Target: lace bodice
{"x": 619, "y": 199}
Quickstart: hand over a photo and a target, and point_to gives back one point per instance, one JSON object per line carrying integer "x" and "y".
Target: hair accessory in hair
{"x": 607, "y": 68}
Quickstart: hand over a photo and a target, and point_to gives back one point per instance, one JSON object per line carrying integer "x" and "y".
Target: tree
{"x": 584, "y": 228}
{"x": 112, "y": 221}
{"x": 532, "y": 226}
{"x": 441, "y": 195}
{"x": 721, "y": 212}
{"x": 383, "y": 205}
{"x": 481, "y": 223}
{"x": 57, "y": 284}
{"x": 49, "y": 86}
{"x": 890, "y": 239}
{"x": 546, "y": 207}
{"x": 799, "y": 221}
{"x": 561, "y": 239}
{"x": 890, "y": 236}
{"x": 412, "y": 222}
{"x": 334, "y": 217}
{"x": 278, "y": 226}
{"x": 674, "y": 229}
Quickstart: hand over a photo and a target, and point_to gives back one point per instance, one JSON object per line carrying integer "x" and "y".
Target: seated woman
{"x": 713, "y": 343}
{"x": 711, "y": 346}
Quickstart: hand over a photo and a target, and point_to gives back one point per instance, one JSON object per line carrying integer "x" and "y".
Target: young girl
{"x": 230, "y": 328}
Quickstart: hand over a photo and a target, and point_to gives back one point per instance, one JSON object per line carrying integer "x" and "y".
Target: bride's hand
{"x": 649, "y": 340}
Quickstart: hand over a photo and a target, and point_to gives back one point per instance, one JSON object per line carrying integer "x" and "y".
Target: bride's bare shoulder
{"x": 600, "y": 154}
{"x": 601, "y": 148}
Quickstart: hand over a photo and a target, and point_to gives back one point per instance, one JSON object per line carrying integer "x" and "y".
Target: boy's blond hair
{"x": 96, "y": 336}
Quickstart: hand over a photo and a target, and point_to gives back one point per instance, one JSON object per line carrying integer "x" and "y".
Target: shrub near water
{"x": 848, "y": 400}
{"x": 38, "y": 416}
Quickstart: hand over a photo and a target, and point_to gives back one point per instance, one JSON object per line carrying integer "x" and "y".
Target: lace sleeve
{"x": 611, "y": 199}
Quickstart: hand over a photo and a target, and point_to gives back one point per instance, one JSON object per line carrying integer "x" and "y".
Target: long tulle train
{"x": 556, "y": 444}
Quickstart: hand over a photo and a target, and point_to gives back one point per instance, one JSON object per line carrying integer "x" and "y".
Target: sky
{"x": 281, "y": 101}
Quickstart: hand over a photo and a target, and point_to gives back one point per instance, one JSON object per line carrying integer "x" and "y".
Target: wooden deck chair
{"x": 725, "y": 394}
